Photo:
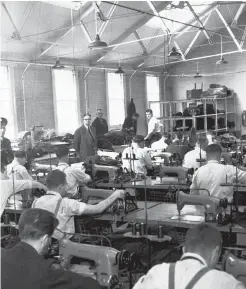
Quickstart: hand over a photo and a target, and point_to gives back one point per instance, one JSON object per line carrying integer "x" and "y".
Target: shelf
{"x": 190, "y": 117}
{"x": 194, "y": 100}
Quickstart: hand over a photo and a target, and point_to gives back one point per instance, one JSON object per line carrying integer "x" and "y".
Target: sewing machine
{"x": 180, "y": 172}
{"x": 112, "y": 171}
{"x": 213, "y": 206}
{"x": 235, "y": 266}
{"x": 108, "y": 261}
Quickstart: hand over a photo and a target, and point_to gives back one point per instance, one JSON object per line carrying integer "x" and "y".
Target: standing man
{"x": 6, "y": 151}
{"x": 130, "y": 123}
{"x": 85, "y": 141}
{"x": 100, "y": 124}
{"x": 153, "y": 127}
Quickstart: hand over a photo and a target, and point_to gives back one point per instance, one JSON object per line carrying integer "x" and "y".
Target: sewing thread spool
{"x": 133, "y": 228}
{"x": 6, "y": 219}
{"x": 137, "y": 226}
{"x": 142, "y": 229}
{"x": 160, "y": 232}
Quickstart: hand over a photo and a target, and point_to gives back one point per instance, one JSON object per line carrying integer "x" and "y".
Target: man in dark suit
{"x": 100, "y": 124}
{"x": 85, "y": 140}
{"x": 6, "y": 151}
{"x": 24, "y": 266}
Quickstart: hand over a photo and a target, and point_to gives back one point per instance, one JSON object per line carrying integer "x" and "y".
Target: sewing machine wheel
{"x": 127, "y": 260}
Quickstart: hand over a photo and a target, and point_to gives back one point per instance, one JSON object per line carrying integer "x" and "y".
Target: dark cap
{"x": 35, "y": 223}
{"x": 4, "y": 121}
{"x": 138, "y": 139}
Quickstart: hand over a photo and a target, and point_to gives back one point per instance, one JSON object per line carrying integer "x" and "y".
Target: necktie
{"x": 90, "y": 132}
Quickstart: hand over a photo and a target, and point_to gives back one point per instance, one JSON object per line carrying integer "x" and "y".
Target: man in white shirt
{"x": 190, "y": 158}
{"x": 16, "y": 169}
{"x": 136, "y": 158}
{"x": 213, "y": 174}
{"x": 201, "y": 253}
{"x": 153, "y": 127}
{"x": 74, "y": 176}
{"x": 160, "y": 144}
{"x": 65, "y": 209}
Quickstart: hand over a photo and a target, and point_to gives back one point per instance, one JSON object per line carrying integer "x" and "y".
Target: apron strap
{"x": 171, "y": 283}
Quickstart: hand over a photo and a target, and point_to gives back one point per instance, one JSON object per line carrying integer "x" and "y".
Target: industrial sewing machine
{"x": 112, "y": 171}
{"x": 235, "y": 266}
{"x": 108, "y": 262}
{"x": 179, "y": 172}
{"x": 213, "y": 206}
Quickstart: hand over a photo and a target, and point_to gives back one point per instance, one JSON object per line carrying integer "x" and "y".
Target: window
{"x": 65, "y": 101}
{"x": 116, "y": 100}
{"x": 6, "y": 102}
{"x": 153, "y": 94}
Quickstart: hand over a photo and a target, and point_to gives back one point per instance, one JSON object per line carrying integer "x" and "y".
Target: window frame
{"x": 107, "y": 94}
{"x": 146, "y": 88}
{"x": 76, "y": 81}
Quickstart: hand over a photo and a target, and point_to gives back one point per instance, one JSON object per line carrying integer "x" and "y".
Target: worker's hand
{"x": 120, "y": 194}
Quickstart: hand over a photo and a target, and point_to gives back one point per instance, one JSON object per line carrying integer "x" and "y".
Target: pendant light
{"x": 222, "y": 60}
{"x": 119, "y": 70}
{"x": 197, "y": 72}
{"x": 97, "y": 44}
{"x": 174, "y": 54}
{"x": 58, "y": 64}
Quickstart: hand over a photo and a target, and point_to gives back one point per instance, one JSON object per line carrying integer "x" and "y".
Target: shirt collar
{"x": 15, "y": 162}
{"x": 135, "y": 145}
{"x": 63, "y": 164}
{"x": 213, "y": 162}
{"x": 194, "y": 255}
{"x": 53, "y": 193}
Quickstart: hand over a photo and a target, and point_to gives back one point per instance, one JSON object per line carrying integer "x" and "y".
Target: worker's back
{"x": 185, "y": 270}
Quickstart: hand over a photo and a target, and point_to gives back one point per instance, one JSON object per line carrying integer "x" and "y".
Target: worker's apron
{"x": 192, "y": 282}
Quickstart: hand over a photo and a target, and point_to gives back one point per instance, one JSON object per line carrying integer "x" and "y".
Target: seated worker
{"x": 65, "y": 209}
{"x": 130, "y": 123}
{"x": 190, "y": 158}
{"x": 100, "y": 124}
{"x": 6, "y": 150}
{"x": 161, "y": 143}
{"x": 74, "y": 176}
{"x": 154, "y": 128}
{"x": 16, "y": 169}
{"x": 211, "y": 175}
{"x": 195, "y": 270}
{"x": 143, "y": 160}
{"x": 24, "y": 265}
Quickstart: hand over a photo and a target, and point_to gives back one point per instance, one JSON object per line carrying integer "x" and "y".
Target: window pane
{"x": 153, "y": 94}
{"x": 6, "y": 103}
{"x": 66, "y": 101}
{"x": 116, "y": 101}
{"x": 67, "y": 120}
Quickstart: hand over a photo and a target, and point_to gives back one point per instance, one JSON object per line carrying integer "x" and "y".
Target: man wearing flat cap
{"x": 6, "y": 151}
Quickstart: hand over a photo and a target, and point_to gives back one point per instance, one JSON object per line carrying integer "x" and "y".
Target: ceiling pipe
{"x": 72, "y": 66}
{"x": 24, "y": 94}
{"x": 130, "y": 84}
{"x": 86, "y": 94}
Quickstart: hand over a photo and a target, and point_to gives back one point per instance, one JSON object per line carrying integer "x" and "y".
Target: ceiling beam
{"x": 238, "y": 14}
{"x": 84, "y": 14}
{"x": 243, "y": 37}
{"x": 179, "y": 49}
{"x": 201, "y": 57}
{"x": 17, "y": 33}
{"x": 85, "y": 31}
{"x": 141, "y": 22}
{"x": 196, "y": 36}
{"x": 200, "y": 22}
{"x": 110, "y": 13}
{"x": 229, "y": 29}
{"x": 181, "y": 31}
{"x": 140, "y": 43}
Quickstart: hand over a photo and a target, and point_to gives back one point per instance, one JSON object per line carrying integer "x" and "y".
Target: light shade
{"x": 221, "y": 61}
{"x": 58, "y": 65}
{"x": 174, "y": 53}
{"x": 197, "y": 75}
{"x": 119, "y": 71}
{"x": 97, "y": 43}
